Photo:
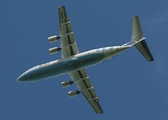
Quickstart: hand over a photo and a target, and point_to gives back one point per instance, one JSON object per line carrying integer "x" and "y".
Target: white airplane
{"x": 74, "y": 63}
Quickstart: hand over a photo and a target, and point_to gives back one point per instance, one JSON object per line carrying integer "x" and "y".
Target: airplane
{"x": 74, "y": 63}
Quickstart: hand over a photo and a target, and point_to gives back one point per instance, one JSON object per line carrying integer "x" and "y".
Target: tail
{"x": 139, "y": 40}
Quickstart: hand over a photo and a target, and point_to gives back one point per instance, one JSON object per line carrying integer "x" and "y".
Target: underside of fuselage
{"x": 63, "y": 66}
{"x": 46, "y": 71}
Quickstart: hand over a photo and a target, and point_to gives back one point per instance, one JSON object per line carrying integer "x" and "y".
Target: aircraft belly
{"x": 45, "y": 72}
{"x": 86, "y": 61}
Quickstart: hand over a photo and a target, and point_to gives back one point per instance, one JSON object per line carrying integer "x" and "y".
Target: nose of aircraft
{"x": 21, "y": 78}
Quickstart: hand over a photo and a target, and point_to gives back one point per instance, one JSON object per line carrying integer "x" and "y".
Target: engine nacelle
{"x": 66, "y": 83}
{"x": 53, "y": 38}
{"x": 73, "y": 93}
{"x": 54, "y": 50}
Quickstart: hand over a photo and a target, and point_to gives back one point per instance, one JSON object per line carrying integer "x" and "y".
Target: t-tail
{"x": 139, "y": 40}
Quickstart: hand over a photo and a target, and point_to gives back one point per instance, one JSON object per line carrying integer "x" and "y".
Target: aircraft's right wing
{"x": 82, "y": 81}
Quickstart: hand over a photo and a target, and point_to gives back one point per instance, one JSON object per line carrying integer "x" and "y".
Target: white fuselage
{"x": 76, "y": 62}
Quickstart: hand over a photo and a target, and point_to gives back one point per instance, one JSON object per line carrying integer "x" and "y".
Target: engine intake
{"x": 54, "y": 50}
{"x": 73, "y": 93}
{"x": 66, "y": 83}
{"x": 53, "y": 38}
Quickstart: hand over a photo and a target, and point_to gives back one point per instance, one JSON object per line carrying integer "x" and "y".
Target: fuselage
{"x": 76, "y": 62}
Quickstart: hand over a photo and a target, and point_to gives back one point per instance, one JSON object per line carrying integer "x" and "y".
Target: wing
{"x": 68, "y": 43}
{"x": 82, "y": 81}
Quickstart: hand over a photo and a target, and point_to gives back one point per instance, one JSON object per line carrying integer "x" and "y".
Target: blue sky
{"x": 129, "y": 87}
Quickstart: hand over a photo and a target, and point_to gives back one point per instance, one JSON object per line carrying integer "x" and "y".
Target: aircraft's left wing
{"x": 68, "y": 42}
{"x": 82, "y": 81}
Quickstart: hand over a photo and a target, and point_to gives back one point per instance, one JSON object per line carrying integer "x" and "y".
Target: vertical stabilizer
{"x": 138, "y": 35}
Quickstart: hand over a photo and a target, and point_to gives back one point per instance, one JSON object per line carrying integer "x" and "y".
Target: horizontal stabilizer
{"x": 144, "y": 50}
{"x": 137, "y": 35}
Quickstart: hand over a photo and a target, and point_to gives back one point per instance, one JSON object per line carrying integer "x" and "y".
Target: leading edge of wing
{"x": 63, "y": 17}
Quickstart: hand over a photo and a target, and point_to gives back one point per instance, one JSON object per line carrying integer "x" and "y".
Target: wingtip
{"x": 134, "y": 16}
{"x": 62, "y": 6}
{"x": 151, "y": 60}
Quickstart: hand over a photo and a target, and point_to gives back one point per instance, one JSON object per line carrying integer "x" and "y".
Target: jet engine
{"x": 73, "y": 93}
{"x": 54, "y": 50}
{"x": 66, "y": 83}
{"x": 53, "y": 38}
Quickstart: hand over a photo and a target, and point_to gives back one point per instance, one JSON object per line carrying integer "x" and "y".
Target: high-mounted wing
{"x": 69, "y": 48}
{"x": 68, "y": 43}
{"x": 82, "y": 81}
